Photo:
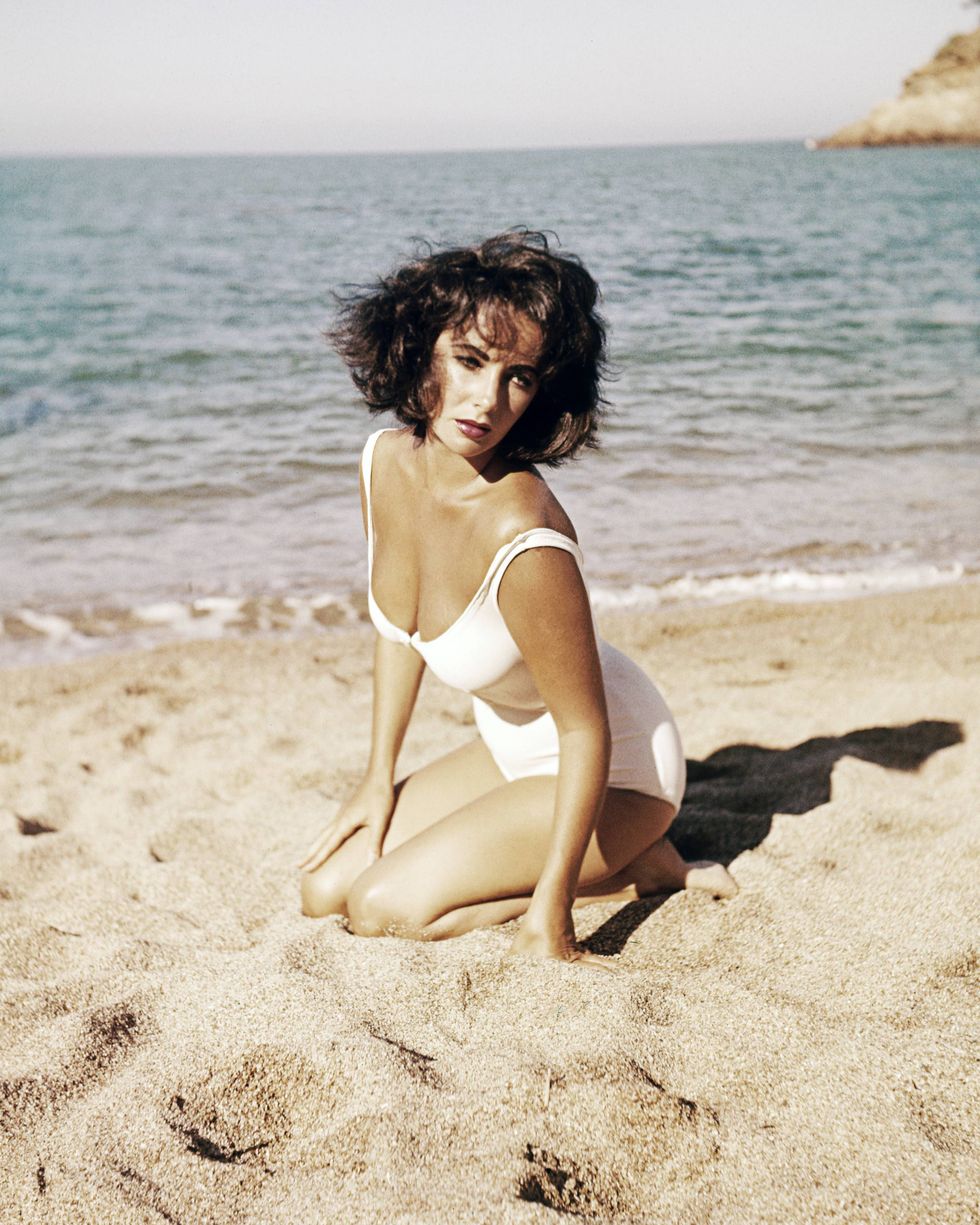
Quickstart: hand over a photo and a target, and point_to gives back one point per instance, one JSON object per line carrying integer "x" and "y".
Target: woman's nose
{"x": 488, "y": 388}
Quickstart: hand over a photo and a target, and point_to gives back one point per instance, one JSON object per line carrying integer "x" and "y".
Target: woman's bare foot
{"x": 713, "y": 878}
{"x": 660, "y": 869}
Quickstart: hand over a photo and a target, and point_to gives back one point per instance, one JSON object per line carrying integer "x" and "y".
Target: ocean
{"x": 794, "y": 413}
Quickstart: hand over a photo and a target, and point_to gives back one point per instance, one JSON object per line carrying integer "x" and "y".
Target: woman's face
{"x": 484, "y": 387}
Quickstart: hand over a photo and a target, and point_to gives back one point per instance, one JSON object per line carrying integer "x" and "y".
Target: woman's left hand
{"x": 553, "y": 940}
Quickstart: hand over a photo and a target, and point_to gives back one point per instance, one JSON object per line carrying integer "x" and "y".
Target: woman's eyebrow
{"x": 475, "y": 349}
{"x": 465, "y": 344}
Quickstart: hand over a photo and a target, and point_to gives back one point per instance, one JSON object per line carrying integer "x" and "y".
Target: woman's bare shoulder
{"x": 399, "y": 441}
{"x": 392, "y": 450}
{"x": 527, "y": 501}
{"x": 390, "y": 474}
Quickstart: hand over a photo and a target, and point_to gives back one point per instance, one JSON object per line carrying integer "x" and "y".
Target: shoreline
{"x": 29, "y": 637}
{"x": 181, "y": 1043}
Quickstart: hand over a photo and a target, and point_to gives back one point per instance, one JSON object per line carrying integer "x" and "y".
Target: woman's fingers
{"x": 325, "y": 845}
{"x": 320, "y": 841}
{"x": 565, "y": 949}
{"x": 595, "y": 962}
{"x": 377, "y": 837}
{"x": 315, "y": 851}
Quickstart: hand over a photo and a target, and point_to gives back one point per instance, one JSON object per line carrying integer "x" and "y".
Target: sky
{"x": 322, "y": 76}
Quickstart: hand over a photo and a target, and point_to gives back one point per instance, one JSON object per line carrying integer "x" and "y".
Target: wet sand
{"x": 181, "y": 1045}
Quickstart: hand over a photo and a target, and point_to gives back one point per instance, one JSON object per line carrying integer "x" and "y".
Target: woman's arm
{"x": 398, "y": 672}
{"x": 397, "y": 675}
{"x": 546, "y": 606}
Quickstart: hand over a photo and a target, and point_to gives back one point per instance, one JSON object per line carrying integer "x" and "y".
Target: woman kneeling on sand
{"x": 491, "y": 357}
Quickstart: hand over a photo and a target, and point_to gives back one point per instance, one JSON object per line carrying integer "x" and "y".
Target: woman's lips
{"x": 472, "y": 429}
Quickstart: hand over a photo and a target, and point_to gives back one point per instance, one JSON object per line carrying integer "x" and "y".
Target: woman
{"x": 491, "y": 357}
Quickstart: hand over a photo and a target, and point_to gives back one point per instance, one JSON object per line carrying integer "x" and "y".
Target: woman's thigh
{"x": 423, "y": 798}
{"x": 442, "y": 787}
{"x": 495, "y": 847}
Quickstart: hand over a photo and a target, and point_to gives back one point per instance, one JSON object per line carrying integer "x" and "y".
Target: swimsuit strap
{"x": 534, "y": 538}
{"x": 367, "y": 458}
{"x": 381, "y": 623}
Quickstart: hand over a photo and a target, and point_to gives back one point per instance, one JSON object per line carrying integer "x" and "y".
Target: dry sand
{"x": 180, "y": 1045}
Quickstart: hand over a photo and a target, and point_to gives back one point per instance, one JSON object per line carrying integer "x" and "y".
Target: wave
{"x": 31, "y": 635}
{"x": 790, "y": 584}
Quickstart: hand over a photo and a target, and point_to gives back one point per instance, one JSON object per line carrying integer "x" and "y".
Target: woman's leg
{"x": 428, "y": 795}
{"x": 660, "y": 869}
{"x": 479, "y": 864}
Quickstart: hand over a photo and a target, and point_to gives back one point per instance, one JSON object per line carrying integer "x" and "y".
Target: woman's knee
{"x": 325, "y": 891}
{"x": 377, "y": 906}
{"x": 319, "y": 895}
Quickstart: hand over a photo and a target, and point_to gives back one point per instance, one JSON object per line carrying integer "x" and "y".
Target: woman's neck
{"x": 447, "y": 475}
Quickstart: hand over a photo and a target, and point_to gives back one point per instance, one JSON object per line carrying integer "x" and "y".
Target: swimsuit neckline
{"x": 415, "y": 637}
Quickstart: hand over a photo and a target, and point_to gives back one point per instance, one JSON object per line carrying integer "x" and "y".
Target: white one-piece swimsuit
{"x": 478, "y": 655}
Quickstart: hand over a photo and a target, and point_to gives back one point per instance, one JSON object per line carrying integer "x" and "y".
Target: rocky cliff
{"x": 939, "y": 104}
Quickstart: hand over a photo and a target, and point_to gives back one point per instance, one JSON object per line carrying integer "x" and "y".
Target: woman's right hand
{"x": 370, "y": 808}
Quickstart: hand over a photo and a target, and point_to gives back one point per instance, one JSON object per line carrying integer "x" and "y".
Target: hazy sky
{"x": 158, "y": 76}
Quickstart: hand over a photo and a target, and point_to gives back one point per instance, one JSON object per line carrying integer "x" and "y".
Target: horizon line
{"x": 452, "y": 149}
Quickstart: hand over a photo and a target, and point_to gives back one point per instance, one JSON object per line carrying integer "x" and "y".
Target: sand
{"x": 181, "y": 1045}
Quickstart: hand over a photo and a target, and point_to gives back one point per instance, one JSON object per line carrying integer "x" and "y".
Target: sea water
{"x": 794, "y": 409}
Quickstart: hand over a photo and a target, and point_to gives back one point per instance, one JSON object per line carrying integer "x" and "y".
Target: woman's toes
{"x": 713, "y": 878}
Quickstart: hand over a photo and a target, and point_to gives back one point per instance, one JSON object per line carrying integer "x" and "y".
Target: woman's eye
{"x": 466, "y": 360}
{"x": 524, "y": 381}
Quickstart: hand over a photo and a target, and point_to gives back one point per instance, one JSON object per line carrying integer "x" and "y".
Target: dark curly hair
{"x": 386, "y": 334}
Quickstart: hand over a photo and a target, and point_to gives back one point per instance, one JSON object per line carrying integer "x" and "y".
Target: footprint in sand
{"x": 106, "y": 1036}
{"x": 235, "y": 1110}
{"x": 574, "y": 1187}
{"x": 660, "y": 1137}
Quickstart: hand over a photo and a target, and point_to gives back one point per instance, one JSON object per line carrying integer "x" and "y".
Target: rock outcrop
{"x": 939, "y": 104}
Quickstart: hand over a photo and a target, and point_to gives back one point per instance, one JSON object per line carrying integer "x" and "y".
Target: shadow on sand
{"x": 733, "y": 795}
